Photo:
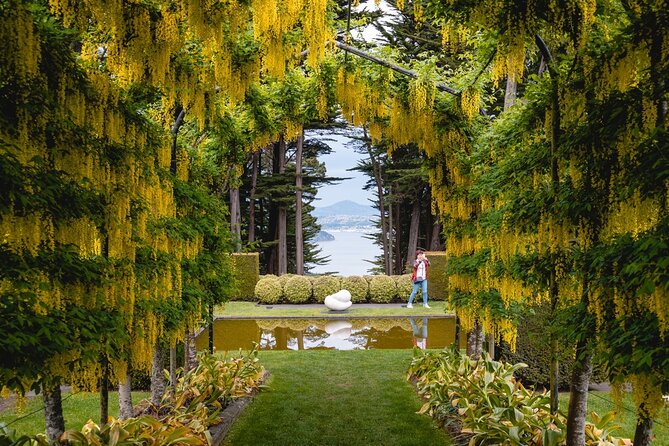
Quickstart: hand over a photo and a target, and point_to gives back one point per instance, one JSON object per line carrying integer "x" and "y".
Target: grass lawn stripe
{"x": 324, "y": 397}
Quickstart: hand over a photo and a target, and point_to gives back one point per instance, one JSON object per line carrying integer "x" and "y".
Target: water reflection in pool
{"x": 339, "y": 334}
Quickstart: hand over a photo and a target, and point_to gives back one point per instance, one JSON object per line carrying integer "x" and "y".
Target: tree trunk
{"x": 555, "y": 184}
{"x": 190, "y": 351}
{"x": 435, "y": 241}
{"x": 157, "y": 380}
{"x": 510, "y": 93}
{"x": 252, "y": 197}
{"x": 643, "y": 434}
{"x": 125, "y": 408}
{"x": 104, "y": 393}
{"x": 413, "y": 233}
{"x": 391, "y": 223}
{"x": 211, "y": 331}
{"x": 491, "y": 346}
{"x": 475, "y": 340}
{"x": 235, "y": 217}
{"x": 282, "y": 224}
{"x": 382, "y": 211}
{"x": 578, "y": 396}
{"x": 53, "y": 412}
{"x": 173, "y": 370}
{"x": 299, "y": 236}
{"x": 398, "y": 237}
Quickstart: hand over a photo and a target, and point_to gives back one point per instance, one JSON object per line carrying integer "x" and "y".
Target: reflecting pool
{"x": 336, "y": 334}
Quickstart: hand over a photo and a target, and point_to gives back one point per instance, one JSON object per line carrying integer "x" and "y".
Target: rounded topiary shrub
{"x": 297, "y": 289}
{"x": 323, "y": 286}
{"x": 382, "y": 289}
{"x": 404, "y": 286}
{"x": 268, "y": 290}
{"x": 358, "y": 286}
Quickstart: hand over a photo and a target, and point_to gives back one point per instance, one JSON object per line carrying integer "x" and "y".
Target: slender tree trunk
{"x": 382, "y": 210}
{"x": 104, "y": 393}
{"x": 211, "y": 331}
{"x": 157, "y": 380}
{"x": 391, "y": 223}
{"x": 657, "y": 80}
{"x": 125, "y": 408}
{"x": 299, "y": 236}
{"x": 398, "y": 237}
{"x": 413, "y": 233}
{"x": 435, "y": 241}
{"x": 475, "y": 340}
{"x": 491, "y": 346}
{"x": 510, "y": 93}
{"x": 282, "y": 226}
{"x": 252, "y": 197}
{"x": 173, "y": 370}
{"x": 190, "y": 351}
{"x": 643, "y": 434}
{"x": 53, "y": 412}
{"x": 555, "y": 184}
{"x": 578, "y": 397}
{"x": 458, "y": 331}
{"x": 235, "y": 217}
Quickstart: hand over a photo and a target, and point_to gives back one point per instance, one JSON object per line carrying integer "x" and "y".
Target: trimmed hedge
{"x": 382, "y": 289}
{"x": 291, "y": 288}
{"x": 268, "y": 290}
{"x": 358, "y": 286}
{"x": 323, "y": 286}
{"x": 297, "y": 289}
{"x": 437, "y": 283}
{"x": 247, "y": 273}
{"x": 404, "y": 286}
{"x": 532, "y": 347}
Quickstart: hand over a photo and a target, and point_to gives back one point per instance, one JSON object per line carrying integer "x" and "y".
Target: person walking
{"x": 419, "y": 277}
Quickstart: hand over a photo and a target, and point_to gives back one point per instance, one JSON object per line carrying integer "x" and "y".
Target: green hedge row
{"x": 532, "y": 347}
{"x": 293, "y": 289}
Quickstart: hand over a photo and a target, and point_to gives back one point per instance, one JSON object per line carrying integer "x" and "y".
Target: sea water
{"x": 350, "y": 254}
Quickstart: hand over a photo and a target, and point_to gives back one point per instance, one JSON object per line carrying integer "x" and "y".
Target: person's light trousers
{"x": 422, "y": 284}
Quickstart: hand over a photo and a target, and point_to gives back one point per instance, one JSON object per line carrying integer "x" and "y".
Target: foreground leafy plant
{"x": 183, "y": 417}
{"x": 481, "y": 403}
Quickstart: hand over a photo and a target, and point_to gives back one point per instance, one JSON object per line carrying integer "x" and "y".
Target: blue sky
{"x": 336, "y": 163}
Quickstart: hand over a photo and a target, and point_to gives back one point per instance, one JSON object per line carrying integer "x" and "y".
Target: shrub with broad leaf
{"x": 482, "y": 402}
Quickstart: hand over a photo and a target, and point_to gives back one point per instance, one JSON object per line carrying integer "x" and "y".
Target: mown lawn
{"x": 77, "y": 410}
{"x": 326, "y": 397}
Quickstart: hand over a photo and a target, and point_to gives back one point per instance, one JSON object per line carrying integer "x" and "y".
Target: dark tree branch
{"x": 392, "y": 66}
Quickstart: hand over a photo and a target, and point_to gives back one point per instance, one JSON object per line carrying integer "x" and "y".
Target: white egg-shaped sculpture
{"x": 339, "y": 301}
{"x": 342, "y": 295}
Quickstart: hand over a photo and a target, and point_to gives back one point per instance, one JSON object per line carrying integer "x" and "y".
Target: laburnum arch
{"x": 73, "y": 72}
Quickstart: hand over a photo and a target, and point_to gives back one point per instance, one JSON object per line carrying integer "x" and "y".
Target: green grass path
{"x": 325, "y": 397}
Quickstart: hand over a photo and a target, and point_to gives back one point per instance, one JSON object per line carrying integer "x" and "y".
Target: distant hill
{"x": 345, "y": 207}
{"x": 345, "y": 215}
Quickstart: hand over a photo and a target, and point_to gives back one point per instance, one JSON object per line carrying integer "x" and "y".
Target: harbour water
{"x": 350, "y": 253}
